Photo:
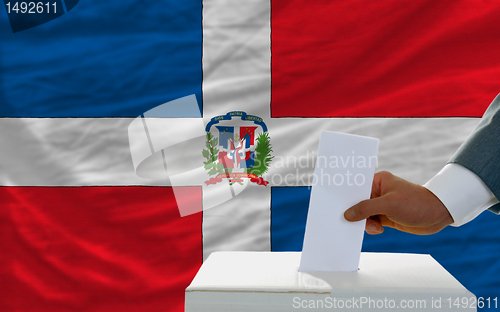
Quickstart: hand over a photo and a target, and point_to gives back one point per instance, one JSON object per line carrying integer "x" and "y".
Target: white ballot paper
{"x": 343, "y": 176}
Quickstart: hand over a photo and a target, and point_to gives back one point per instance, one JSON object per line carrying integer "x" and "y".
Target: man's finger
{"x": 373, "y": 226}
{"x": 380, "y": 179}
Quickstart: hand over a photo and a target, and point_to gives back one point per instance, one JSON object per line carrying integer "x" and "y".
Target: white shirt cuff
{"x": 462, "y": 192}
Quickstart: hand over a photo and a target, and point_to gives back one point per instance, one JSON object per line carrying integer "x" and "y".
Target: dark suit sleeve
{"x": 480, "y": 153}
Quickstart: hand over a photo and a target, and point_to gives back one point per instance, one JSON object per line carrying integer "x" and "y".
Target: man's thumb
{"x": 365, "y": 209}
{"x": 350, "y": 214}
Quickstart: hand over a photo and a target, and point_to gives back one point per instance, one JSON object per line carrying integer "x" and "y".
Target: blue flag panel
{"x": 84, "y": 64}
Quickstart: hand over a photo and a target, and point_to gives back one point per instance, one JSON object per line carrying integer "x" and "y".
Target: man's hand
{"x": 402, "y": 205}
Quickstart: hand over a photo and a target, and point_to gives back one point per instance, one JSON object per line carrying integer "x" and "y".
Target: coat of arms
{"x": 237, "y": 150}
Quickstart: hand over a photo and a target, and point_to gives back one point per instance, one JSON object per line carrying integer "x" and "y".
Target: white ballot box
{"x": 270, "y": 281}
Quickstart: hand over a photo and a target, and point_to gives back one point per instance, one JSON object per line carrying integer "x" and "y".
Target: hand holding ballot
{"x": 402, "y": 205}
{"x": 468, "y": 185}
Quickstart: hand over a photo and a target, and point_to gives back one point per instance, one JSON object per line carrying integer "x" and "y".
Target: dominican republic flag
{"x": 105, "y": 153}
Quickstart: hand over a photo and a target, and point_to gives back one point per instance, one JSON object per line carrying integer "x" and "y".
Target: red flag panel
{"x": 390, "y": 58}
{"x": 96, "y": 249}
